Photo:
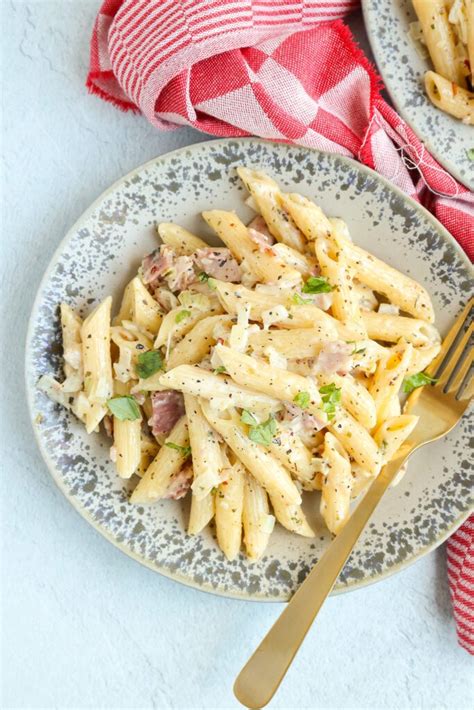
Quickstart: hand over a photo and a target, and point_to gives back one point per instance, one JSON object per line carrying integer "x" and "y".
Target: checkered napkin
{"x": 286, "y": 70}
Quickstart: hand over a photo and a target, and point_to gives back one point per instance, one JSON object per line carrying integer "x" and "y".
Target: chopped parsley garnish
{"x": 317, "y": 284}
{"x": 148, "y": 363}
{"x": 182, "y": 315}
{"x": 419, "y": 380}
{"x": 219, "y": 370}
{"x": 248, "y": 418}
{"x": 331, "y": 396}
{"x": 185, "y": 451}
{"x": 263, "y": 433}
{"x": 203, "y": 277}
{"x": 358, "y": 351}
{"x": 470, "y": 153}
{"x": 124, "y": 408}
{"x": 302, "y": 399}
{"x": 296, "y": 298}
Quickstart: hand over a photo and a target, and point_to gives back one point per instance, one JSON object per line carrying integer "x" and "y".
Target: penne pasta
{"x": 310, "y": 218}
{"x": 164, "y": 466}
{"x": 179, "y": 239}
{"x": 291, "y": 517}
{"x": 217, "y": 389}
{"x": 127, "y": 444}
{"x": 389, "y": 377}
{"x": 71, "y": 326}
{"x": 356, "y": 440}
{"x": 391, "y": 328}
{"x": 265, "y": 266}
{"x": 197, "y": 343}
{"x": 257, "y": 521}
{"x": 98, "y": 380}
{"x": 266, "y": 194}
{"x": 439, "y": 38}
{"x": 229, "y": 508}
{"x": 266, "y": 469}
{"x": 391, "y": 434}
{"x": 450, "y": 97}
{"x": 207, "y": 458}
{"x": 336, "y": 485}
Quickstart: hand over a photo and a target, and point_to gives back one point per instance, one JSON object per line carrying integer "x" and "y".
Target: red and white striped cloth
{"x": 461, "y": 582}
{"x": 286, "y": 70}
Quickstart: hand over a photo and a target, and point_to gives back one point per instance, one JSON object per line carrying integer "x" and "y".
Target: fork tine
{"x": 456, "y": 356}
{"x": 433, "y": 368}
{"x": 462, "y": 372}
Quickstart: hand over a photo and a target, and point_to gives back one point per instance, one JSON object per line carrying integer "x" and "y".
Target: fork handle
{"x": 260, "y": 677}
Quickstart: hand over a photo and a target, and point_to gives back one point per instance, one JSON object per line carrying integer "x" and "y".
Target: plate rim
{"x": 30, "y": 390}
{"x": 451, "y": 167}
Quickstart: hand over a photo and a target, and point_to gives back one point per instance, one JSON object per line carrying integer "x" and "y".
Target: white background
{"x": 83, "y": 625}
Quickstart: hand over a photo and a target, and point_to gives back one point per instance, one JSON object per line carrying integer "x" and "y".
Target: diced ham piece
{"x": 309, "y": 421}
{"x": 261, "y": 240}
{"x": 334, "y": 356}
{"x": 180, "y": 483}
{"x": 181, "y": 274}
{"x": 168, "y": 407}
{"x": 219, "y": 263}
{"x": 157, "y": 264}
{"x": 258, "y": 224}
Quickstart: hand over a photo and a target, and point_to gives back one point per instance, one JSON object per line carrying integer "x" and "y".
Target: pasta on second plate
{"x": 446, "y": 28}
{"x": 255, "y": 373}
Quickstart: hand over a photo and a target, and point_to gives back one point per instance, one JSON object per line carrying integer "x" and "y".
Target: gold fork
{"x": 440, "y": 407}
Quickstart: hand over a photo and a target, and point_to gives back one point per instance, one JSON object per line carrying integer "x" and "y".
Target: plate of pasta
{"x": 217, "y": 359}
{"x": 424, "y": 50}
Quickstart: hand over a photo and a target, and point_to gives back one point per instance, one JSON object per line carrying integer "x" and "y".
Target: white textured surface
{"x": 83, "y": 625}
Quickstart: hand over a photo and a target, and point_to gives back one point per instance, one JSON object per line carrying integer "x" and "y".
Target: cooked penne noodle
{"x": 201, "y": 513}
{"x": 296, "y": 343}
{"x": 127, "y": 444}
{"x": 219, "y": 388}
{"x": 354, "y": 396}
{"x": 450, "y": 97}
{"x": 310, "y": 218}
{"x": 179, "y": 239}
{"x": 289, "y": 449}
{"x": 197, "y": 343}
{"x": 392, "y": 433}
{"x": 149, "y": 448}
{"x": 272, "y": 381}
{"x": 389, "y": 377}
{"x": 131, "y": 343}
{"x": 266, "y": 267}
{"x": 145, "y": 312}
{"x": 267, "y": 197}
{"x": 334, "y": 266}
{"x": 98, "y": 382}
{"x": 303, "y": 263}
{"x": 356, "y": 440}
{"x": 291, "y": 517}
{"x": 439, "y": 38}
{"x": 336, "y": 485}
{"x": 391, "y": 328}
{"x": 207, "y": 458}
{"x": 229, "y": 507}
{"x": 400, "y": 290}
{"x": 72, "y": 349}
{"x": 296, "y": 316}
{"x": 164, "y": 466}
{"x": 257, "y": 521}
{"x": 264, "y": 467}
{"x": 421, "y": 358}
{"x": 179, "y": 321}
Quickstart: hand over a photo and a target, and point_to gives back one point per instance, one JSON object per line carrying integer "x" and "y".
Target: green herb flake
{"x": 263, "y": 433}
{"x": 185, "y": 451}
{"x": 148, "y": 363}
{"x": 470, "y": 154}
{"x": 418, "y": 380}
{"x": 331, "y": 397}
{"x": 203, "y": 277}
{"x": 219, "y": 370}
{"x": 317, "y": 284}
{"x": 182, "y": 315}
{"x": 296, "y": 298}
{"x": 124, "y": 408}
{"x": 248, "y": 418}
{"x": 302, "y": 399}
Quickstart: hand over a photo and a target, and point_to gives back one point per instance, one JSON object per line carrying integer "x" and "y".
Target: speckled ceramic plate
{"x": 402, "y": 68}
{"x": 98, "y": 257}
